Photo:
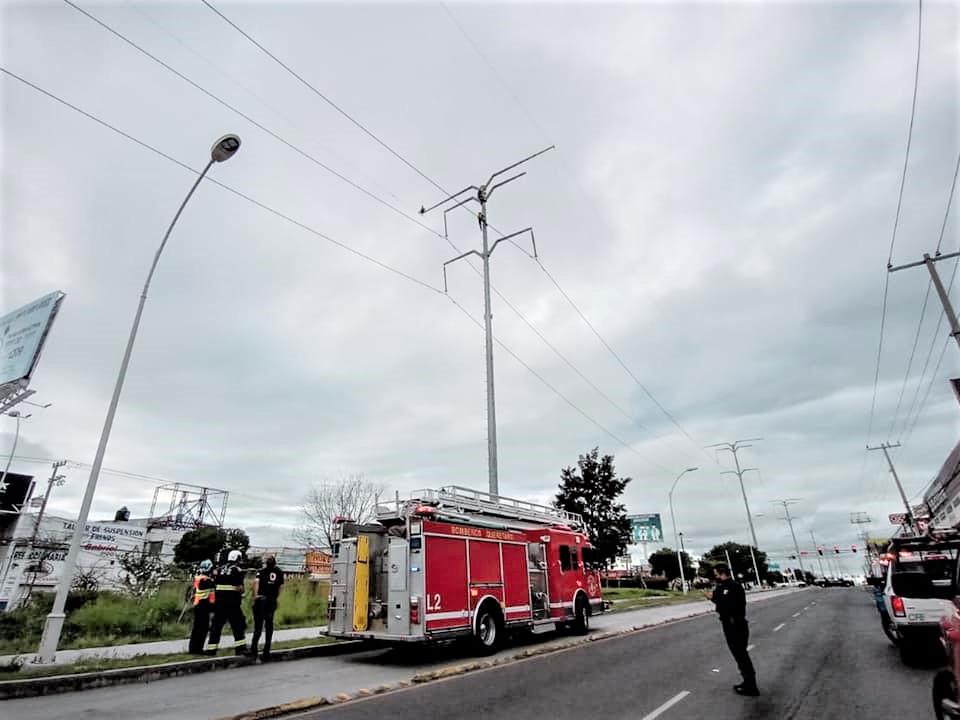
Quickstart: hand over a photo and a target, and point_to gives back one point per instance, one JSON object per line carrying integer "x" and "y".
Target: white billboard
{"x": 102, "y": 546}
{"x": 22, "y": 334}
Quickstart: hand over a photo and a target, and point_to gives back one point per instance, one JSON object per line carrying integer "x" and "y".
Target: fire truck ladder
{"x": 461, "y": 499}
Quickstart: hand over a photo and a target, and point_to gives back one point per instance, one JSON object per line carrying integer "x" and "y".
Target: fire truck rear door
{"x": 398, "y": 594}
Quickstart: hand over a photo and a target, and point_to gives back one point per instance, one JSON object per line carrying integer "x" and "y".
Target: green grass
{"x": 23, "y": 672}
{"x": 633, "y": 598}
{"x": 109, "y": 618}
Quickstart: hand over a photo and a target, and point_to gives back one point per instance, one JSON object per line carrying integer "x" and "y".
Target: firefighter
{"x": 203, "y": 600}
{"x": 228, "y": 609}
{"x": 266, "y": 590}
{"x": 731, "y": 602}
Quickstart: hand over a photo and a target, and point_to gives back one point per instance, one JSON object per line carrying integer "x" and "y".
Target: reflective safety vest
{"x": 203, "y": 589}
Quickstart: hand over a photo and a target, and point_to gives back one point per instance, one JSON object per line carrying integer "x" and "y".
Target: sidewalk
{"x": 162, "y": 647}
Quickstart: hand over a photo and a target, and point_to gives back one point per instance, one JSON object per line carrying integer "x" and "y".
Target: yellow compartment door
{"x": 361, "y": 585}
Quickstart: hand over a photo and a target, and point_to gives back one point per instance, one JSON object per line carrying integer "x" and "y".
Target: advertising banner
{"x": 22, "y": 334}
{"x": 646, "y": 528}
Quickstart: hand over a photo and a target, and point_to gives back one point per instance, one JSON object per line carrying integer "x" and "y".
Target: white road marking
{"x": 666, "y": 706}
{"x": 750, "y": 647}
{"x": 796, "y": 614}
{"x": 779, "y": 627}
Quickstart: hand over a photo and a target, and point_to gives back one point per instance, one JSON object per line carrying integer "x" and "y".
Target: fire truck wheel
{"x": 581, "y": 618}
{"x": 489, "y": 630}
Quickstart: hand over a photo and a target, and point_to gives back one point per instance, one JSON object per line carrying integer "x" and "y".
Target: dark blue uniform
{"x": 731, "y": 602}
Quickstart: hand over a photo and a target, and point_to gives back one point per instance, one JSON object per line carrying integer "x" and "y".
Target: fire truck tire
{"x": 488, "y": 634}
{"x": 581, "y": 617}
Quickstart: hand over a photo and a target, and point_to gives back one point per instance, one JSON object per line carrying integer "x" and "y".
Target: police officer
{"x": 229, "y": 588}
{"x": 266, "y": 590}
{"x": 731, "y": 602}
{"x": 203, "y": 600}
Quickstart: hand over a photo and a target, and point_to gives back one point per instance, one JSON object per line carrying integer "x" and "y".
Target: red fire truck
{"x": 456, "y": 562}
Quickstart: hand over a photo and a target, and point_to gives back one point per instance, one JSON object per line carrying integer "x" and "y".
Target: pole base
{"x": 47, "y": 652}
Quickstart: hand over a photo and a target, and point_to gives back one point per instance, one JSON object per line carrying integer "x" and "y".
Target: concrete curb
{"x": 55, "y": 684}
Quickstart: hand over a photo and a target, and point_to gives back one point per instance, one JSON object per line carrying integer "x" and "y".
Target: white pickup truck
{"x": 919, "y": 591}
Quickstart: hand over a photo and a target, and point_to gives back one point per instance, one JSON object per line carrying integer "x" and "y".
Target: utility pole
{"x": 55, "y": 480}
{"x": 862, "y": 520}
{"x": 733, "y": 448}
{"x": 481, "y": 195}
{"x": 893, "y": 471}
{"x": 816, "y": 549}
{"x": 938, "y": 284}
{"x": 786, "y": 509}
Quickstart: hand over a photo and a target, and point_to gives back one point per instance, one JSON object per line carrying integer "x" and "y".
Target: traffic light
{"x": 853, "y": 549}
{"x": 820, "y": 550}
{"x": 836, "y": 549}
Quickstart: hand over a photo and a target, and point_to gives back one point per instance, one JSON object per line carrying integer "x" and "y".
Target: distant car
{"x": 917, "y": 594}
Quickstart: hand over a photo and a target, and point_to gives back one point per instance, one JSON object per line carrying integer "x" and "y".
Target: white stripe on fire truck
{"x": 561, "y": 605}
{"x": 448, "y": 615}
{"x": 518, "y": 608}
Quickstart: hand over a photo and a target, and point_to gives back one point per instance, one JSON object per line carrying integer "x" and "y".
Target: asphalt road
{"x": 820, "y": 655}
{"x": 214, "y": 695}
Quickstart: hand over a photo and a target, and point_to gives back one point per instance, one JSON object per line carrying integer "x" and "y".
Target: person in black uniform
{"x": 731, "y": 602}
{"x": 228, "y": 608}
{"x": 266, "y": 590}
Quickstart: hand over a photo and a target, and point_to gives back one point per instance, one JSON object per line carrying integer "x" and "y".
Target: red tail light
{"x": 898, "y": 607}
{"x": 414, "y": 610}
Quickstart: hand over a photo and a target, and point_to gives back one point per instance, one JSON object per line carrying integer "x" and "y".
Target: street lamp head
{"x": 692, "y": 469}
{"x": 225, "y": 148}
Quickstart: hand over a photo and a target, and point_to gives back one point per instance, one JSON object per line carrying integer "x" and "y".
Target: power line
{"x": 929, "y": 387}
{"x": 913, "y": 112}
{"x": 238, "y": 193}
{"x": 325, "y": 98}
{"x": 559, "y": 394}
{"x": 953, "y": 276}
{"x": 893, "y": 239}
{"x": 913, "y": 352}
{"x": 216, "y": 98}
{"x": 328, "y": 168}
{"x": 553, "y": 280}
{"x": 422, "y": 174}
{"x": 312, "y": 230}
{"x": 946, "y": 214}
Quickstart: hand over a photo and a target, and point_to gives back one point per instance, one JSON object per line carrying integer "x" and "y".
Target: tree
{"x": 143, "y": 573}
{"x": 236, "y": 539}
{"x": 739, "y": 557}
{"x": 664, "y": 562}
{"x": 349, "y": 496}
{"x": 201, "y": 544}
{"x": 593, "y": 489}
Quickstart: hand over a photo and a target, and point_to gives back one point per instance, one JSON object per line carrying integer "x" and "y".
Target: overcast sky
{"x": 719, "y": 205}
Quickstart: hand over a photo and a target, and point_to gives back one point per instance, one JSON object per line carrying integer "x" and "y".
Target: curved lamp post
{"x": 223, "y": 149}
{"x": 673, "y": 519}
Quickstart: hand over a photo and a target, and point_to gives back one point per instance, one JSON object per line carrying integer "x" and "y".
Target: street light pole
{"x": 673, "y": 520}
{"x": 223, "y": 149}
{"x": 15, "y": 414}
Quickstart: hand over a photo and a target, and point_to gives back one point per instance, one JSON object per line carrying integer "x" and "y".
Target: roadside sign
{"x": 22, "y": 335}
{"x": 646, "y": 528}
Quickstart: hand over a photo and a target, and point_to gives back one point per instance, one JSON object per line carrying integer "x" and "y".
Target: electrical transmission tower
{"x": 481, "y": 195}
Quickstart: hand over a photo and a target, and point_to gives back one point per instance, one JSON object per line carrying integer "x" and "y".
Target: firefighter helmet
{"x": 233, "y": 556}
{"x": 206, "y": 566}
